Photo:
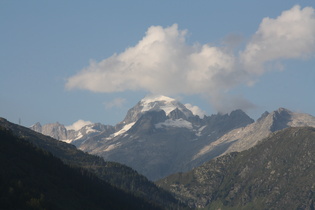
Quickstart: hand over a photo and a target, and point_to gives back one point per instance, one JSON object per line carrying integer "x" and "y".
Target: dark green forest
{"x": 31, "y": 178}
{"x": 278, "y": 173}
{"x": 115, "y": 174}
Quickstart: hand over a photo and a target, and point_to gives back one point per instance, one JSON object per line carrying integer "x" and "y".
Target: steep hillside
{"x": 278, "y": 173}
{"x": 116, "y": 174}
{"x": 31, "y": 178}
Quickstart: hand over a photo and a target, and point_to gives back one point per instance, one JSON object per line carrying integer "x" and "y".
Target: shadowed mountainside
{"x": 278, "y": 173}
{"x": 115, "y": 174}
{"x": 32, "y": 178}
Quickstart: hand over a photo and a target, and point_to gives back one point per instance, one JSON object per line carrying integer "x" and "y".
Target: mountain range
{"x": 222, "y": 161}
{"x": 160, "y": 136}
{"x": 42, "y": 172}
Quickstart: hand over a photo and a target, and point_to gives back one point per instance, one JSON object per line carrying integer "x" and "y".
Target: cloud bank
{"x": 163, "y": 63}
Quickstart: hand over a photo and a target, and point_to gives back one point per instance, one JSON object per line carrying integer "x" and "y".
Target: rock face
{"x": 278, "y": 173}
{"x": 75, "y": 137}
{"x": 55, "y": 130}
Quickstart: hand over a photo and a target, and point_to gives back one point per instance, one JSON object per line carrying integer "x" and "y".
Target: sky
{"x": 91, "y": 61}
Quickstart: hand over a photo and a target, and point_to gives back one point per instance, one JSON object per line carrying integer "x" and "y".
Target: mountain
{"x": 246, "y": 137}
{"x": 277, "y": 173}
{"x": 155, "y": 103}
{"x": 55, "y": 130}
{"x": 75, "y": 137}
{"x": 115, "y": 174}
{"x": 160, "y": 136}
{"x": 32, "y": 178}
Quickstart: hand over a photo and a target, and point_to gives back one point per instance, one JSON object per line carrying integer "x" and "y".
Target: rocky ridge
{"x": 246, "y": 137}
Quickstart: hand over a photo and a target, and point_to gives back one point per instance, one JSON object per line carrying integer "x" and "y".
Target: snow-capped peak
{"x": 160, "y": 102}
{"x": 156, "y": 103}
{"x": 153, "y": 98}
{"x": 78, "y": 125}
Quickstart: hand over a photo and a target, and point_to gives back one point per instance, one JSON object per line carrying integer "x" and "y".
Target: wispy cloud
{"x": 196, "y": 110}
{"x": 163, "y": 63}
{"x": 78, "y": 125}
{"x": 117, "y": 102}
{"x": 289, "y": 36}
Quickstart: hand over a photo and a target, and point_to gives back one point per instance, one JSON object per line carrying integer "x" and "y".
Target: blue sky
{"x": 201, "y": 52}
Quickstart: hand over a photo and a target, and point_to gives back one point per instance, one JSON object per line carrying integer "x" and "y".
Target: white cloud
{"x": 196, "y": 110}
{"x": 117, "y": 102}
{"x": 163, "y": 63}
{"x": 289, "y": 36}
{"x": 78, "y": 125}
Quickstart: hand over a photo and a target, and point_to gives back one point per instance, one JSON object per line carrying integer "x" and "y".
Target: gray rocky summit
{"x": 55, "y": 130}
{"x": 248, "y": 136}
